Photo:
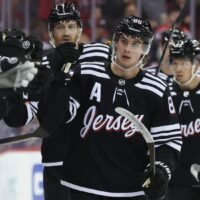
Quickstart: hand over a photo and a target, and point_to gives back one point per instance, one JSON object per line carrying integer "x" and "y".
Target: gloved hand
{"x": 7, "y": 63}
{"x": 18, "y": 76}
{"x": 12, "y": 47}
{"x": 155, "y": 185}
{"x": 67, "y": 53}
{"x": 35, "y": 50}
{"x": 41, "y": 81}
{"x": 30, "y": 44}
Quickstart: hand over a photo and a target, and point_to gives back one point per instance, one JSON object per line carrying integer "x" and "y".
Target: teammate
{"x": 65, "y": 27}
{"x": 107, "y": 156}
{"x": 185, "y": 93}
{"x": 165, "y": 71}
{"x": 18, "y": 71}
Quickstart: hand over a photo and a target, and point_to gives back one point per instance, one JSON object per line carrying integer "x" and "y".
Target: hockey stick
{"x": 170, "y": 35}
{"x": 39, "y": 133}
{"x": 195, "y": 171}
{"x": 145, "y": 133}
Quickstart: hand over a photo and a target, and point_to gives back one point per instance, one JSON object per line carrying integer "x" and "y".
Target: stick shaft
{"x": 178, "y": 19}
{"x": 39, "y": 133}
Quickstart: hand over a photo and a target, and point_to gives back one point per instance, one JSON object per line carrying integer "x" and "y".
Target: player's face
{"x": 182, "y": 69}
{"x": 128, "y": 51}
{"x": 66, "y": 31}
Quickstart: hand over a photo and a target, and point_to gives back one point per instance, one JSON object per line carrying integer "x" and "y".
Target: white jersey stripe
{"x": 167, "y": 133}
{"x": 30, "y": 114}
{"x": 155, "y": 83}
{"x": 174, "y": 145}
{"x": 102, "y": 193}
{"x": 171, "y": 144}
{"x": 95, "y": 63}
{"x": 93, "y": 67}
{"x": 95, "y": 48}
{"x": 97, "y": 54}
{"x": 95, "y": 44}
{"x": 168, "y": 139}
{"x": 94, "y": 73}
{"x": 165, "y": 128}
{"x": 147, "y": 87}
{"x": 156, "y": 78}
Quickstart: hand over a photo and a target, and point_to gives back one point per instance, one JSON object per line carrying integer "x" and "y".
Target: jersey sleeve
{"x": 17, "y": 114}
{"x": 60, "y": 105}
{"x": 166, "y": 131}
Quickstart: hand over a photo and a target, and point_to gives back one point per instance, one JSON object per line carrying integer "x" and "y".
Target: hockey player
{"x": 65, "y": 27}
{"x": 165, "y": 71}
{"x": 107, "y": 156}
{"x": 18, "y": 71}
{"x": 185, "y": 93}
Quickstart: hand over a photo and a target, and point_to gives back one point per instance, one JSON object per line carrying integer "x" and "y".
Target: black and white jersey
{"x": 187, "y": 104}
{"x": 107, "y": 155}
{"x": 163, "y": 76}
{"x": 54, "y": 148}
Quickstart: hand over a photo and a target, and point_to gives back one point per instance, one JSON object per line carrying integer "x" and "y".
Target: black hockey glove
{"x": 35, "y": 50}
{"x": 41, "y": 81}
{"x": 11, "y": 47}
{"x": 66, "y": 53}
{"x": 7, "y": 63}
{"x": 155, "y": 185}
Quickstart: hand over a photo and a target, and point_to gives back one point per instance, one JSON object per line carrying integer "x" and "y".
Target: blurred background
{"x": 99, "y": 20}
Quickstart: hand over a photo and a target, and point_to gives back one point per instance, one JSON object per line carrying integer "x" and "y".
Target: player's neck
{"x": 124, "y": 73}
{"x": 192, "y": 85}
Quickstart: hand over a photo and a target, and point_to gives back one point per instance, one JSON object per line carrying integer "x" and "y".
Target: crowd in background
{"x": 160, "y": 13}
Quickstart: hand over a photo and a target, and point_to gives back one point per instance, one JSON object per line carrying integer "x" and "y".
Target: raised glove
{"x": 155, "y": 185}
{"x": 67, "y": 53}
{"x": 7, "y": 63}
{"x": 18, "y": 76}
{"x": 35, "y": 50}
{"x": 41, "y": 81}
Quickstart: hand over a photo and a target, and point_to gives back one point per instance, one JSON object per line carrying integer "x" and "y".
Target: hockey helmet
{"x": 64, "y": 11}
{"x": 176, "y": 36}
{"x": 135, "y": 26}
{"x": 185, "y": 49}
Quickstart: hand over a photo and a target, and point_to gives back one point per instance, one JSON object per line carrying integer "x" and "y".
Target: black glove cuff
{"x": 165, "y": 168}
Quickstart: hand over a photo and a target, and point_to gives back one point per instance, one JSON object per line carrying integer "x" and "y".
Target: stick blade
{"x": 195, "y": 169}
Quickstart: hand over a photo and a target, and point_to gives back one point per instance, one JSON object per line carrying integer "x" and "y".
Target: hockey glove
{"x": 35, "y": 50}
{"x": 66, "y": 53}
{"x": 18, "y": 76}
{"x": 11, "y": 47}
{"x": 7, "y": 63}
{"x": 41, "y": 81}
{"x": 155, "y": 185}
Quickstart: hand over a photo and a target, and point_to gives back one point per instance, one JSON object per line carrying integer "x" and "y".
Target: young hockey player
{"x": 107, "y": 156}
{"x": 185, "y": 92}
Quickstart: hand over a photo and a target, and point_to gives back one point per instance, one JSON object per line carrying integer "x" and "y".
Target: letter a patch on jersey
{"x": 96, "y": 92}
